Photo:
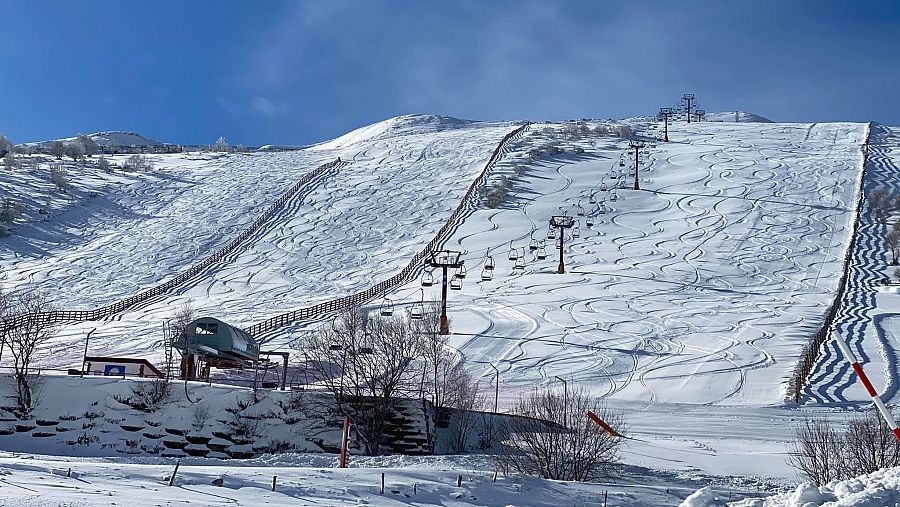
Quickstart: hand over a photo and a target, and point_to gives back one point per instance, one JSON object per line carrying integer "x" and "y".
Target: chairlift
{"x": 427, "y": 278}
{"x": 621, "y": 163}
{"x": 513, "y": 253}
{"x": 387, "y": 307}
{"x": 592, "y": 199}
{"x": 489, "y": 263}
{"x": 579, "y": 210}
{"x": 589, "y": 221}
{"x": 455, "y": 283}
{"x": 542, "y": 252}
{"x": 551, "y": 232}
{"x": 601, "y": 208}
{"x": 460, "y": 271}
{"x": 603, "y": 187}
{"x": 613, "y": 195}
{"x": 613, "y": 174}
{"x": 487, "y": 274}
{"x": 533, "y": 244}
{"x": 520, "y": 263}
{"x": 576, "y": 230}
{"x": 417, "y": 311}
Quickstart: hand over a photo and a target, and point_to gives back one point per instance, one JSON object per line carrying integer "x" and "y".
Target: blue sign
{"x": 114, "y": 370}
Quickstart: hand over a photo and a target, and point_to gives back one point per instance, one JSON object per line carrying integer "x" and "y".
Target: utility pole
{"x": 561, "y": 222}
{"x": 636, "y": 146}
{"x": 688, "y": 100}
{"x": 445, "y": 259}
{"x": 664, "y": 114}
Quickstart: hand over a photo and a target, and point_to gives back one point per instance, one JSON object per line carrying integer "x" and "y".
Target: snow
{"x": 685, "y": 305}
{"x": 878, "y": 489}
{"x": 742, "y": 116}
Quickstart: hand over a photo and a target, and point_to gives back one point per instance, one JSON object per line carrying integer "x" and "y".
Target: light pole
{"x": 565, "y": 400}
{"x": 496, "y": 385}
{"x": 561, "y": 222}
{"x": 445, "y": 259}
{"x": 84, "y": 357}
{"x": 636, "y": 146}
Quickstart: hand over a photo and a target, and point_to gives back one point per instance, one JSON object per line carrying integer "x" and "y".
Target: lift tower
{"x": 664, "y": 114}
{"x": 688, "y": 100}
{"x": 445, "y": 259}
{"x": 561, "y": 222}
{"x": 636, "y": 146}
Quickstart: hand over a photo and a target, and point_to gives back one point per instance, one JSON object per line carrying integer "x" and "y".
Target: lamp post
{"x": 561, "y": 222}
{"x": 565, "y": 400}
{"x": 445, "y": 259}
{"x": 496, "y": 385}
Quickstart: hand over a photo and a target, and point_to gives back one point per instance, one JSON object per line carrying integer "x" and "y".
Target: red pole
{"x": 345, "y": 440}
{"x": 445, "y": 328}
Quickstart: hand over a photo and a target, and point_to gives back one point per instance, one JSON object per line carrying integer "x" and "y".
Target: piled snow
{"x": 741, "y": 117}
{"x": 878, "y": 489}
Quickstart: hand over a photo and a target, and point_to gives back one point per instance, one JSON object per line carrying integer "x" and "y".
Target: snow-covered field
{"x": 685, "y": 304}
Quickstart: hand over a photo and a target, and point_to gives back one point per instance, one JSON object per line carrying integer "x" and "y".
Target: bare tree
{"x": 6, "y": 146}
{"x": 32, "y": 330}
{"x": 366, "y": 363}
{"x": 465, "y": 404}
{"x": 178, "y": 325}
{"x": 75, "y": 151}
{"x": 88, "y": 145}
{"x": 438, "y": 358}
{"x": 538, "y": 441}
{"x": 879, "y": 202}
{"x": 103, "y": 164}
{"x": 221, "y": 144}
{"x": 58, "y": 176}
{"x": 869, "y": 445}
{"x": 892, "y": 240}
{"x": 815, "y": 451}
{"x": 57, "y": 149}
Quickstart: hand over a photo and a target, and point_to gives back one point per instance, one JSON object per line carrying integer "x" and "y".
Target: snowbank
{"x": 878, "y": 489}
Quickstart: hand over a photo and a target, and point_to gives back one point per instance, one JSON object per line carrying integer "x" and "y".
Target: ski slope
{"x": 700, "y": 288}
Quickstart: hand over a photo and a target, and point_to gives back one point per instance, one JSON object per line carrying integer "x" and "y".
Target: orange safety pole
{"x": 345, "y": 443}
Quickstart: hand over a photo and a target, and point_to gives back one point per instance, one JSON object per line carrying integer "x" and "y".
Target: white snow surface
{"x": 729, "y": 116}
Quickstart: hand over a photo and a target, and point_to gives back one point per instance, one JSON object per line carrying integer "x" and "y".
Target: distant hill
{"x": 736, "y": 116}
{"x": 108, "y": 138}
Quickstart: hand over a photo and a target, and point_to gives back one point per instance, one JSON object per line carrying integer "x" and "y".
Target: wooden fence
{"x": 811, "y": 352}
{"x": 66, "y": 316}
{"x": 384, "y": 287}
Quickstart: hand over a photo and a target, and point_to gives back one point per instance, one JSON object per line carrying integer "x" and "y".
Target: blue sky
{"x": 303, "y": 71}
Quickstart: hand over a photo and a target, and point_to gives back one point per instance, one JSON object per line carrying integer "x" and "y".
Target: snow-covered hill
{"x": 736, "y": 116}
{"x": 108, "y": 138}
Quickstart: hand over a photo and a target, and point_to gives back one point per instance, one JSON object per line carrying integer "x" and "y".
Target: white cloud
{"x": 268, "y": 108}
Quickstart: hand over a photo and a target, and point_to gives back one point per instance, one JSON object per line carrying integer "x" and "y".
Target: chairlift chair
{"x": 533, "y": 244}
{"x": 487, "y": 274}
{"x": 613, "y": 195}
{"x": 579, "y": 210}
{"x": 417, "y": 311}
{"x": 427, "y": 278}
{"x": 621, "y": 163}
{"x": 489, "y": 263}
{"x": 387, "y": 307}
{"x": 603, "y": 187}
{"x": 589, "y": 221}
{"x": 513, "y": 253}
{"x": 576, "y": 231}
{"x": 460, "y": 271}
{"x": 551, "y": 233}
{"x": 601, "y": 208}
{"x": 592, "y": 199}
{"x": 613, "y": 174}
{"x": 542, "y": 252}
{"x": 520, "y": 263}
{"x": 455, "y": 283}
